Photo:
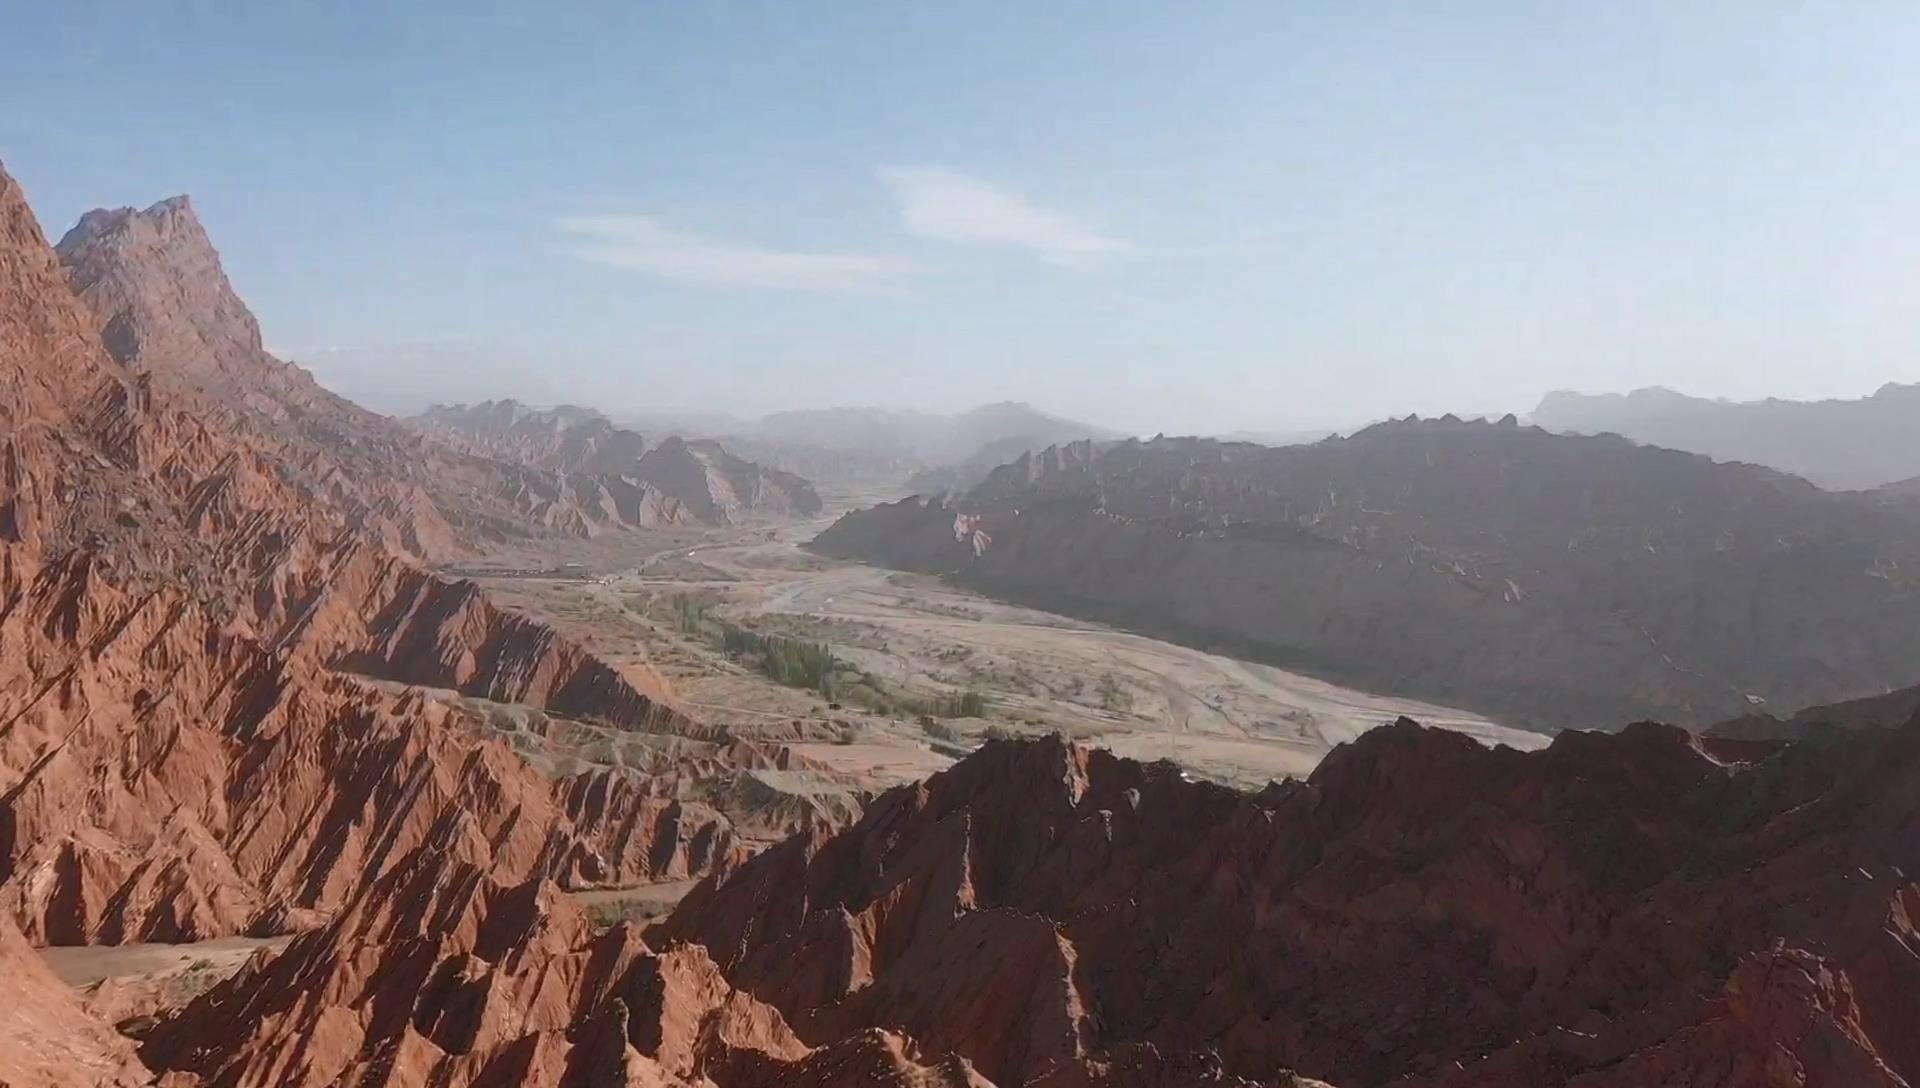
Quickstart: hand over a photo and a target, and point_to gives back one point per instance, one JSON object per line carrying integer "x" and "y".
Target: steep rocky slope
{"x": 165, "y": 308}
{"x": 191, "y": 740}
{"x": 1860, "y": 443}
{"x": 699, "y": 477}
{"x": 1645, "y": 908}
{"x": 1545, "y": 579}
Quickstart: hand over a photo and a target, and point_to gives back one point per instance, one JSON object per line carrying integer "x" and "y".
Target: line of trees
{"x": 965, "y": 704}
{"x": 689, "y": 612}
{"x": 790, "y": 661}
{"x": 800, "y": 663}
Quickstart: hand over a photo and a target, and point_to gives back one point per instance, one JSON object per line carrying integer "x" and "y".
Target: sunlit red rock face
{"x": 1635, "y": 909}
{"x": 189, "y": 744}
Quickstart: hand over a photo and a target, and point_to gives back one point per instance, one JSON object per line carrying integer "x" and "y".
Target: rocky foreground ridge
{"x": 1544, "y": 579}
{"x": 1635, "y": 909}
{"x": 700, "y": 477}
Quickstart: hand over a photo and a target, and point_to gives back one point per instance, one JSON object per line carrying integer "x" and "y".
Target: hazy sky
{"x": 1162, "y": 216}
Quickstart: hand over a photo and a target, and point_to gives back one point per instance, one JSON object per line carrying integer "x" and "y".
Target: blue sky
{"x": 1160, "y": 216}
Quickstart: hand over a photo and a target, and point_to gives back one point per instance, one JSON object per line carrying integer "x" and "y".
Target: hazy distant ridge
{"x": 1861, "y": 443}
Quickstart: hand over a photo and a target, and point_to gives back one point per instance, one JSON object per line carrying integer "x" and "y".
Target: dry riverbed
{"x": 914, "y": 639}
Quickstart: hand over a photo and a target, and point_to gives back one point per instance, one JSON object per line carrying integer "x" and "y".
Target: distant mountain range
{"x": 1301, "y": 437}
{"x": 838, "y": 445}
{"x": 847, "y": 445}
{"x": 1845, "y": 444}
{"x": 927, "y": 437}
{"x": 700, "y": 477}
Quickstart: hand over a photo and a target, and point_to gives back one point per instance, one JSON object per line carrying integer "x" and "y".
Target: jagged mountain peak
{"x": 158, "y": 282}
{"x": 174, "y": 216}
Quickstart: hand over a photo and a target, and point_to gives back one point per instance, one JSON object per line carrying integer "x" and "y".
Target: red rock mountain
{"x": 192, "y": 739}
{"x": 155, "y": 286}
{"x": 712, "y": 485}
{"x": 1544, "y": 579}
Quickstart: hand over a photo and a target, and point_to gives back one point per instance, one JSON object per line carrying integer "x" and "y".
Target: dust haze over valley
{"x": 884, "y": 547}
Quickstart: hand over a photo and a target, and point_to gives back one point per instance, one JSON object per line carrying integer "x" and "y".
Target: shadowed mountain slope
{"x": 1545, "y": 579}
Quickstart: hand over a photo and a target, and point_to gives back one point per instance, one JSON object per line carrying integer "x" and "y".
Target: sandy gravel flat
{"x": 665, "y": 893}
{"x": 84, "y": 966}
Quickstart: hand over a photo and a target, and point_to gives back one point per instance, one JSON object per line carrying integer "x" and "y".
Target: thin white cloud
{"x": 644, "y": 244}
{"x": 949, "y": 207}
